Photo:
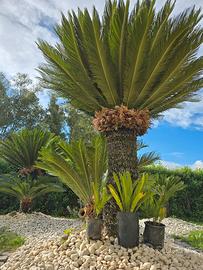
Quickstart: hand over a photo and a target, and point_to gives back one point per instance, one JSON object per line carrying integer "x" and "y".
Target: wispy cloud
{"x": 23, "y": 22}
{"x": 173, "y": 165}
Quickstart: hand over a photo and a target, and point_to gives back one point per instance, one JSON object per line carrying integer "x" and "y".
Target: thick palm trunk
{"x": 25, "y": 205}
{"x": 122, "y": 156}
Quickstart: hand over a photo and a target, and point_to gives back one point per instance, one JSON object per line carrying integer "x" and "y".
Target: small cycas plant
{"x": 162, "y": 190}
{"x": 26, "y": 189}
{"x": 21, "y": 149}
{"x": 128, "y": 194}
{"x": 81, "y": 167}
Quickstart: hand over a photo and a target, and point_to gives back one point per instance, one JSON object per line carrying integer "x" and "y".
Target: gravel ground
{"x": 42, "y": 250}
{"x": 37, "y": 224}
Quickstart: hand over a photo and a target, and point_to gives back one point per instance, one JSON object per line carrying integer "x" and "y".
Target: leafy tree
{"x": 55, "y": 117}
{"x": 19, "y": 104}
{"x": 129, "y": 68}
{"x": 79, "y": 124}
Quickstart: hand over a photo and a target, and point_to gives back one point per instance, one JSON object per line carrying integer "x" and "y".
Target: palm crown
{"x": 21, "y": 149}
{"x": 140, "y": 59}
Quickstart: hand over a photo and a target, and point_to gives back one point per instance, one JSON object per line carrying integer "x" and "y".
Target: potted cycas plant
{"x": 99, "y": 199}
{"x": 129, "y": 195}
{"x": 81, "y": 167}
{"x": 155, "y": 207}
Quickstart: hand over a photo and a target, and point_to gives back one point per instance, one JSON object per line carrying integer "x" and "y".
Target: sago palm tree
{"x": 21, "y": 149}
{"x": 26, "y": 189}
{"x": 126, "y": 68}
{"x": 82, "y": 168}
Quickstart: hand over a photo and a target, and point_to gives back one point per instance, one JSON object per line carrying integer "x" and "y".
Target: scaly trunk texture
{"x": 25, "y": 205}
{"x": 122, "y": 156}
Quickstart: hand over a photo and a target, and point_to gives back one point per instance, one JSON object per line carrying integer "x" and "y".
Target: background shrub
{"x": 187, "y": 203}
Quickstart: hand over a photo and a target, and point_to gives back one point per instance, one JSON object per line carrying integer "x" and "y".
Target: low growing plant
{"x": 129, "y": 194}
{"x": 194, "y": 239}
{"x": 82, "y": 168}
{"x": 9, "y": 241}
{"x": 163, "y": 189}
{"x": 26, "y": 189}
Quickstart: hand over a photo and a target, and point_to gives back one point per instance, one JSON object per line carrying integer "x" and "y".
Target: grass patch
{"x": 9, "y": 240}
{"x": 194, "y": 239}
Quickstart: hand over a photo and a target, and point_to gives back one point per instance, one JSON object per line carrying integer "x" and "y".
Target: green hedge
{"x": 188, "y": 203}
{"x": 53, "y": 204}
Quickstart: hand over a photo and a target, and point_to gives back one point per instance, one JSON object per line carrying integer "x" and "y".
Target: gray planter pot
{"x": 154, "y": 234}
{"x": 128, "y": 229}
{"x": 94, "y": 228}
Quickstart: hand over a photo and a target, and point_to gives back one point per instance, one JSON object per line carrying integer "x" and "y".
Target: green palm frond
{"x": 23, "y": 188}
{"x": 162, "y": 190}
{"x": 81, "y": 167}
{"x": 129, "y": 194}
{"x": 140, "y": 58}
{"x": 21, "y": 149}
{"x": 145, "y": 159}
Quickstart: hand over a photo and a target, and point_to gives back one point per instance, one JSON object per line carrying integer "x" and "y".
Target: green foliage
{"x": 4, "y": 167}
{"x": 55, "y": 117}
{"x": 27, "y": 189}
{"x": 161, "y": 191}
{"x": 79, "y": 166}
{"x": 139, "y": 58}
{"x": 145, "y": 159}
{"x": 20, "y": 105}
{"x": 9, "y": 241}
{"x": 188, "y": 203}
{"x": 194, "y": 239}
{"x": 68, "y": 231}
{"x": 100, "y": 195}
{"x": 129, "y": 194}
{"x": 79, "y": 123}
{"x": 21, "y": 149}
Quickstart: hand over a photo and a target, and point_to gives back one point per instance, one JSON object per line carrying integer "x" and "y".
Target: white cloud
{"x": 197, "y": 165}
{"x": 169, "y": 164}
{"x": 190, "y": 115}
{"x": 172, "y": 165}
{"x": 23, "y": 22}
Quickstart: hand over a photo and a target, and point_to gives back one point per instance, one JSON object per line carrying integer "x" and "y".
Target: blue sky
{"x": 177, "y": 137}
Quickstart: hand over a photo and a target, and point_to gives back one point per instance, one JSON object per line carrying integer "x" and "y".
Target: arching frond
{"x": 143, "y": 59}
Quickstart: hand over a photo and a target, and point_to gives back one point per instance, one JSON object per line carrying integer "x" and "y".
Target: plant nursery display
{"x": 125, "y": 68}
{"x": 129, "y": 195}
{"x": 82, "y": 168}
{"x": 156, "y": 207}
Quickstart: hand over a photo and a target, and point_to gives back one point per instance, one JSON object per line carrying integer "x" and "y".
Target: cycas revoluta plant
{"x": 21, "y": 149}
{"x": 162, "y": 190}
{"x": 82, "y": 168}
{"x": 26, "y": 189}
{"x": 128, "y": 194}
{"x": 126, "y": 69}
{"x": 145, "y": 159}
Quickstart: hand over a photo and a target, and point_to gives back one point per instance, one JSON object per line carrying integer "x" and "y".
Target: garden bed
{"x": 44, "y": 249}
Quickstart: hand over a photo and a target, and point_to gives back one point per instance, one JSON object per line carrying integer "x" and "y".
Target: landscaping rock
{"x": 44, "y": 249}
